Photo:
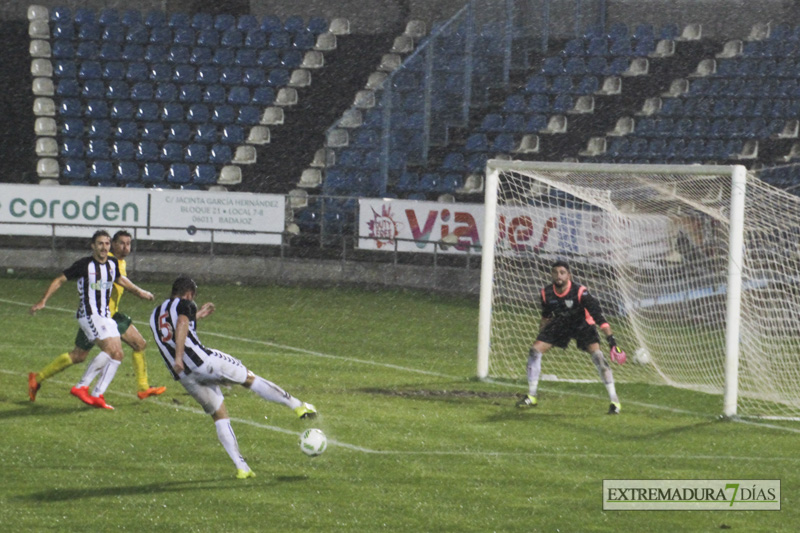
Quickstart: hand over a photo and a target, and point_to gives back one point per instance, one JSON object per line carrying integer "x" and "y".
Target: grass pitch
{"x": 415, "y": 444}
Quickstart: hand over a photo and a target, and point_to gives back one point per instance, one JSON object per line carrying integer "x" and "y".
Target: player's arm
{"x": 593, "y": 306}
{"x": 205, "y": 310}
{"x": 133, "y": 288}
{"x": 51, "y": 290}
{"x": 181, "y": 331}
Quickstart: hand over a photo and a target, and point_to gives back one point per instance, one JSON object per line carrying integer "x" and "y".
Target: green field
{"x": 415, "y": 444}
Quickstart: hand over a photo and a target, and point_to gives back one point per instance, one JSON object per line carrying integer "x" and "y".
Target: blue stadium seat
{"x": 563, "y": 103}
{"x": 246, "y": 58}
{"x": 349, "y": 158}
{"x": 63, "y": 31}
{"x": 155, "y": 53}
{"x": 201, "y": 55}
{"x": 198, "y": 113}
{"x": 70, "y": 107}
{"x": 504, "y": 143}
{"x": 271, "y": 23}
{"x": 85, "y": 16}
{"x": 492, "y": 122}
{"x": 224, "y": 56}
{"x": 98, "y": 129}
{"x": 291, "y": 59}
{"x": 179, "y": 20}
{"x": 552, "y": 66}
{"x": 317, "y": 25}
{"x": 137, "y": 72}
{"x": 63, "y": 50}
{"x": 562, "y": 84}
{"x": 153, "y": 131}
{"x": 184, "y": 74}
{"x": 179, "y": 132}
{"x": 264, "y": 96}
{"x": 280, "y": 40}
{"x": 74, "y": 169}
{"x": 114, "y": 71}
{"x": 148, "y": 111}
{"x": 142, "y": 91}
{"x": 166, "y": 92}
{"x": 89, "y": 32}
{"x": 93, "y": 89}
{"x": 90, "y": 70}
{"x": 304, "y": 40}
{"x": 214, "y": 94}
{"x": 96, "y": 109}
{"x": 196, "y": 153}
{"x": 477, "y": 142}
{"x": 232, "y": 38}
{"x": 587, "y": 85}
{"x": 574, "y": 47}
{"x": 178, "y": 54}
{"x": 127, "y": 171}
{"x": 172, "y": 112}
{"x": 161, "y": 35}
{"x": 232, "y": 134}
{"x": 190, "y": 94}
{"x": 153, "y": 173}
{"x": 253, "y": 77}
{"x": 454, "y": 161}
{"x": 207, "y": 74}
{"x": 137, "y": 35}
{"x": 147, "y": 151}
{"x": 108, "y": 16}
{"x": 110, "y": 52}
{"x": 184, "y": 37}
{"x": 101, "y": 170}
{"x": 204, "y": 174}
{"x": 205, "y": 133}
{"x": 223, "y": 114}
{"x": 172, "y": 152}
{"x": 294, "y": 24}
{"x": 278, "y": 77}
{"x": 67, "y": 88}
{"x": 597, "y": 66}
{"x": 231, "y": 75}
{"x": 247, "y": 23}
{"x": 224, "y": 22}
{"x": 269, "y": 59}
{"x": 123, "y": 150}
{"x": 255, "y": 39}
{"x": 202, "y": 21}
{"x": 620, "y": 46}
{"x": 208, "y": 37}
{"x": 98, "y": 149}
{"x": 87, "y": 50}
{"x": 536, "y": 84}
{"x": 239, "y": 96}
{"x": 221, "y": 154}
{"x": 155, "y": 19}
{"x": 538, "y": 103}
{"x": 71, "y": 148}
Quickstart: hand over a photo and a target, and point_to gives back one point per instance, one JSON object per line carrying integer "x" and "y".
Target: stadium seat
{"x": 224, "y": 22}
{"x": 246, "y": 58}
{"x": 153, "y": 131}
{"x": 98, "y": 149}
{"x": 90, "y": 70}
{"x": 223, "y": 114}
{"x": 153, "y": 173}
{"x": 98, "y": 129}
{"x": 271, "y": 23}
{"x": 110, "y": 52}
{"x": 172, "y": 152}
{"x": 190, "y": 94}
{"x": 207, "y": 74}
{"x": 204, "y": 174}
{"x": 269, "y": 59}
{"x": 232, "y": 134}
{"x": 184, "y": 37}
{"x": 96, "y": 109}
{"x": 68, "y": 88}
{"x": 89, "y": 32}
{"x": 166, "y": 92}
{"x": 248, "y": 115}
{"x": 123, "y": 150}
{"x": 280, "y": 40}
{"x": 178, "y": 54}
{"x": 184, "y": 74}
{"x": 205, "y": 133}
{"x": 232, "y": 38}
{"x": 224, "y": 56}
{"x": 201, "y": 56}
{"x": 74, "y": 169}
{"x": 179, "y": 20}
{"x": 196, "y": 153}
{"x": 137, "y": 34}
{"x": 155, "y": 53}
{"x": 142, "y": 91}
{"x": 126, "y": 131}
{"x": 179, "y": 132}
{"x": 253, "y": 77}
{"x": 263, "y": 96}
{"x": 198, "y": 113}
{"x": 230, "y": 75}
{"x": 127, "y": 171}
{"x": 208, "y": 37}
{"x": 255, "y": 39}
{"x": 70, "y": 107}
{"x": 148, "y": 111}
{"x": 147, "y": 151}
{"x": 214, "y": 94}
{"x": 220, "y": 154}
{"x": 71, "y": 148}
{"x": 101, "y": 170}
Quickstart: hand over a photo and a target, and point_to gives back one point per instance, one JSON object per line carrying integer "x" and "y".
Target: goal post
{"x": 692, "y": 264}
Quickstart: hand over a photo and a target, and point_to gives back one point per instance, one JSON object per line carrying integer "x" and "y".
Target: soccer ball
{"x": 641, "y": 356}
{"x": 313, "y": 442}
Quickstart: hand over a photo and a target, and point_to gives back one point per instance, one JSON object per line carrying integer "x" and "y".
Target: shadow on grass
{"x": 29, "y": 408}
{"x": 69, "y": 494}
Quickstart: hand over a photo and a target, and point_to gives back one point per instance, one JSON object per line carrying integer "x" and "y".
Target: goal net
{"x": 696, "y": 267}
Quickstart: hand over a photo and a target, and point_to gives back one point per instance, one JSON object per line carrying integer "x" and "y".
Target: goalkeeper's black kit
{"x": 572, "y": 315}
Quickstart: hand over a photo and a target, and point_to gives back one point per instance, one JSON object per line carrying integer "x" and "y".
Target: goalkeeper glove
{"x": 617, "y": 355}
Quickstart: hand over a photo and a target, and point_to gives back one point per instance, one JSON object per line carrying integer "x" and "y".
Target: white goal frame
{"x": 738, "y": 176}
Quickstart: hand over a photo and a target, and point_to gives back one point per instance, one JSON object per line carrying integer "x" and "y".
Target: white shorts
{"x": 203, "y": 383}
{"x": 97, "y": 327}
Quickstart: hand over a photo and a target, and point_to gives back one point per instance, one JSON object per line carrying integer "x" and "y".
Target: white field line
{"x": 312, "y": 353}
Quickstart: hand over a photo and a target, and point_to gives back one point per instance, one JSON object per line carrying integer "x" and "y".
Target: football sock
{"x": 94, "y": 368}
{"x": 271, "y": 392}
{"x": 106, "y": 376}
{"x": 605, "y": 374}
{"x": 140, "y": 368}
{"x": 534, "y": 371}
{"x": 227, "y": 438}
{"x": 54, "y": 367}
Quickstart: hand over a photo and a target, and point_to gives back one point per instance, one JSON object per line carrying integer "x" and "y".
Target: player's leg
{"x": 606, "y": 376}
{"x": 209, "y": 396}
{"x": 113, "y": 347}
{"x": 131, "y": 336}
{"x": 273, "y": 393}
{"x": 60, "y": 363}
{"x": 534, "y": 371}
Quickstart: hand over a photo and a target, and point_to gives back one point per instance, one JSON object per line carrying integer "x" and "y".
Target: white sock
{"x": 227, "y": 438}
{"x": 94, "y": 368}
{"x": 271, "y": 392}
{"x": 106, "y": 376}
{"x": 534, "y": 371}
{"x": 606, "y": 375}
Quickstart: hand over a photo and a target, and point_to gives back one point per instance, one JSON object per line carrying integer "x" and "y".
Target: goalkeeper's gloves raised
{"x": 617, "y": 355}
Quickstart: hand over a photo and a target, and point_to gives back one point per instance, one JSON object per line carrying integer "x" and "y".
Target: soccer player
{"x": 202, "y": 370}
{"x": 120, "y": 248}
{"x": 95, "y": 276}
{"x": 570, "y": 312}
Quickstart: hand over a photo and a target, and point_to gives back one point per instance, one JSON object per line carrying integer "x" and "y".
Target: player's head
{"x": 560, "y": 273}
{"x": 184, "y": 286}
{"x": 121, "y": 244}
{"x": 101, "y": 244}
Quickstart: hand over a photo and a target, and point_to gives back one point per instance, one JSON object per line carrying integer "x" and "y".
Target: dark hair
{"x": 183, "y": 284}
{"x": 121, "y": 233}
{"x": 100, "y": 233}
{"x": 560, "y": 263}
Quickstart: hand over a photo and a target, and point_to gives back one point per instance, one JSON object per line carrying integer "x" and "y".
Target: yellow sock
{"x": 54, "y": 367}
{"x": 140, "y": 368}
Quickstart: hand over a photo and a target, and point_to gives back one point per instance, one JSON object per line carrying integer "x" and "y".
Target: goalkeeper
{"x": 570, "y": 312}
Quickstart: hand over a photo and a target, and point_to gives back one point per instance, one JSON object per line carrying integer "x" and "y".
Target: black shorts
{"x": 559, "y": 335}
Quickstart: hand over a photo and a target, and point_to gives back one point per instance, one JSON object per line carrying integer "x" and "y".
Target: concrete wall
{"x": 257, "y": 270}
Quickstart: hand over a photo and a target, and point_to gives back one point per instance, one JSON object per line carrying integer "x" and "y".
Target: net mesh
{"x": 653, "y": 248}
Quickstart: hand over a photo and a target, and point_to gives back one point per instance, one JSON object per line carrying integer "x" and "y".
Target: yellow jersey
{"x": 117, "y": 290}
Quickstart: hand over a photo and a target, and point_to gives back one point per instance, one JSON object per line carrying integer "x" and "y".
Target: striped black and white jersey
{"x": 95, "y": 281}
{"x": 162, "y": 323}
